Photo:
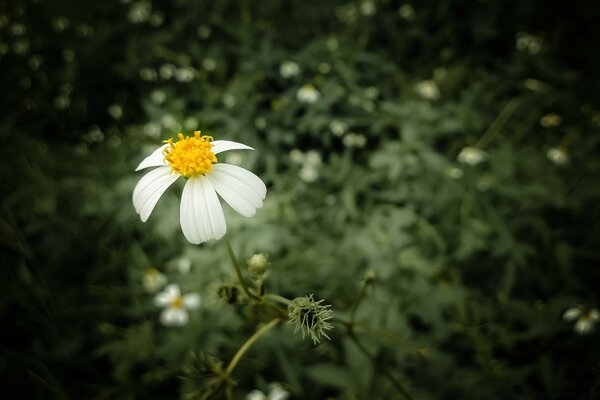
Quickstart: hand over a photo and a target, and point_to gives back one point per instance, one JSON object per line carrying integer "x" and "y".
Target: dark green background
{"x": 473, "y": 274}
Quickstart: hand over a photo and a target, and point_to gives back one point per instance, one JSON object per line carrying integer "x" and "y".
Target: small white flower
{"x": 312, "y": 158}
{"x": 166, "y": 71}
{"x": 455, "y": 173}
{"x": 175, "y": 305}
{"x": 428, "y": 90}
{"x": 184, "y": 74}
{"x": 357, "y": 140}
{"x": 338, "y": 128}
{"x": 277, "y": 392}
{"x": 195, "y": 158}
{"x": 471, "y": 156}
{"x": 183, "y": 265}
{"x": 407, "y": 12}
{"x": 153, "y": 280}
{"x": 585, "y": 318}
{"x": 368, "y": 8}
{"x": 297, "y": 156}
{"x": 308, "y": 94}
{"x": 308, "y": 173}
{"x": 158, "y": 96}
{"x": 289, "y": 69}
{"x": 558, "y": 155}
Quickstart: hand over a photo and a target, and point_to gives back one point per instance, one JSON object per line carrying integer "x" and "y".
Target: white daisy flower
{"x": 585, "y": 318}
{"x": 195, "y": 158}
{"x": 175, "y": 305}
{"x": 277, "y": 392}
{"x": 428, "y": 90}
{"x": 289, "y": 69}
{"x": 471, "y": 156}
{"x": 153, "y": 280}
{"x": 558, "y": 155}
{"x": 308, "y": 94}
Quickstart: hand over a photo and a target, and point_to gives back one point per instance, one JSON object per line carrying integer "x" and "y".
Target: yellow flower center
{"x": 190, "y": 156}
{"x": 177, "y": 302}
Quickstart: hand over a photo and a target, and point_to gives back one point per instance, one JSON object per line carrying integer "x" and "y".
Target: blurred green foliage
{"x": 474, "y": 264}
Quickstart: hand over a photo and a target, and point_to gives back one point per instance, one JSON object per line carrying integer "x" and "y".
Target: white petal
{"x": 201, "y": 215}
{"x": 174, "y": 316}
{"x": 156, "y": 159}
{"x": 191, "y": 301}
{"x": 572, "y": 314}
{"x": 167, "y": 296}
{"x": 220, "y": 146}
{"x": 278, "y": 393}
{"x": 256, "y": 395}
{"x": 583, "y": 326}
{"x": 594, "y": 315}
{"x": 240, "y": 188}
{"x": 148, "y": 190}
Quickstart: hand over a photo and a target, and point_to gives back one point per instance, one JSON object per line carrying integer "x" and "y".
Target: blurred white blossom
{"x": 175, "y": 306}
{"x": 183, "y": 265}
{"x": 308, "y": 94}
{"x": 338, "y": 128}
{"x": 558, "y": 155}
{"x": 139, "y": 12}
{"x": 153, "y": 279}
{"x": 455, "y": 173}
{"x": 585, "y": 318}
{"x": 428, "y": 90}
{"x": 528, "y": 42}
{"x": 354, "y": 140}
{"x": 407, "y": 12}
{"x": 158, "y": 96}
{"x": 368, "y": 8}
{"x": 148, "y": 74}
{"x": 276, "y": 393}
{"x": 471, "y": 156}
{"x": 166, "y": 71}
{"x": 551, "y": 120}
{"x": 115, "y": 111}
{"x": 184, "y": 74}
{"x": 289, "y": 69}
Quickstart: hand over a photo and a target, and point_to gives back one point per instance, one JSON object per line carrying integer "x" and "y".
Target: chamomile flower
{"x": 195, "y": 158}
{"x": 176, "y": 306}
{"x": 585, "y": 318}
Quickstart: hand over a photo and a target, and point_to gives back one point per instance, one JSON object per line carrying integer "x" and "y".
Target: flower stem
{"x": 361, "y": 295}
{"x": 238, "y": 271}
{"x": 240, "y": 353}
{"x": 277, "y": 298}
{"x": 385, "y": 371}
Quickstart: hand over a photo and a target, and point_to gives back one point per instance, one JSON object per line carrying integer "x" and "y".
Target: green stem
{"x": 387, "y": 373}
{"x": 277, "y": 298}
{"x": 498, "y": 123}
{"x": 361, "y": 295}
{"x": 238, "y": 271}
{"x": 240, "y": 353}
